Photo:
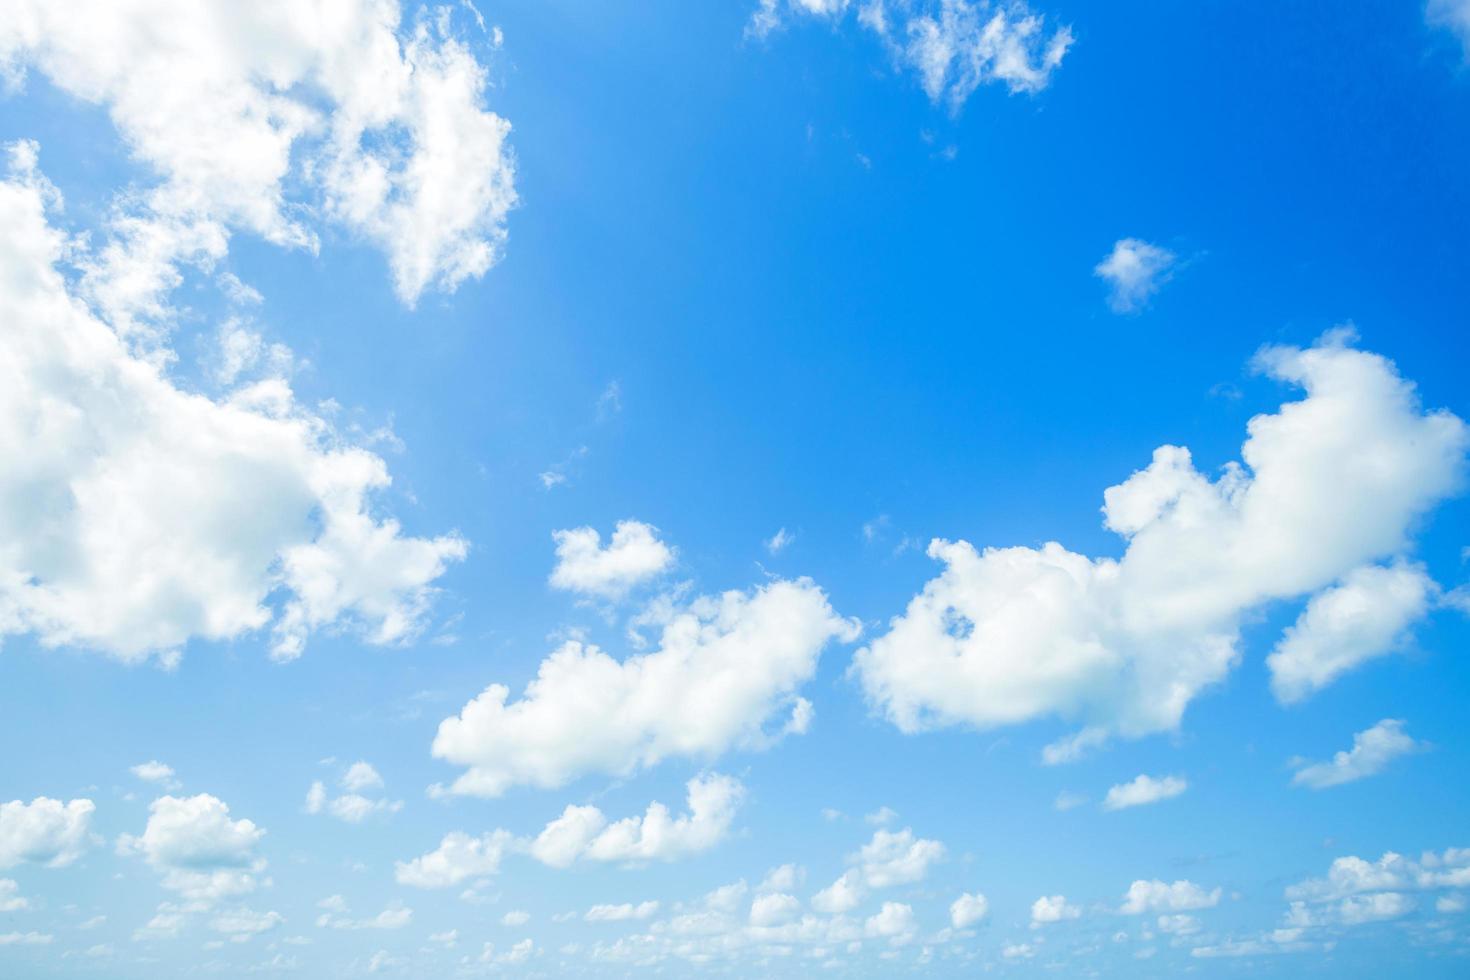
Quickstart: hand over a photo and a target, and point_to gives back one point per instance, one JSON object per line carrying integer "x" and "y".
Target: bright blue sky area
{"x": 765, "y": 283}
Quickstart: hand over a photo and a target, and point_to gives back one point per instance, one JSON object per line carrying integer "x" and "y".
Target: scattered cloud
{"x": 633, "y": 556}
{"x": 1143, "y": 790}
{"x": 1134, "y": 271}
{"x": 1373, "y": 749}
{"x": 44, "y": 831}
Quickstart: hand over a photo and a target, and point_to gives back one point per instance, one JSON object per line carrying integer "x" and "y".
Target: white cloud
{"x": 1159, "y": 896}
{"x": 515, "y": 917}
{"x": 784, "y": 878}
{"x": 25, "y": 938}
{"x": 620, "y": 913}
{"x": 1179, "y": 925}
{"x": 582, "y": 832}
{"x": 352, "y": 806}
{"x": 843, "y": 895}
{"x": 1450, "y": 904}
{"x": 130, "y": 531}
{"x": 1053, "y": 908}
{"x": 894, "y": 922}
{"x": 1143, "y": 790}
{"x": 1366, "y": 616}
{"x": 1134, "y": 270}
{"x": 1330, "y": 483}
{"x": 1349, "y": 876}
{"x": 244, "y": 922}
{"x": 968, "y": 909}
{"x": 44, "y": 831}
{"x": 360, "y": 776}
{"x": 154, "y": 772}
{"x": 1373, "y": 749}
{"x": 897, "y": 858}
{"x": 378, "y": 125}
{"x": 395, "y": 916}
{"x": 1453, "y": 15}
{"x": 775, "y": 909}
{"x": 199, "y": 850}
{"x": 11, "y": 900}
{"x": 953, "y": 46}
{"x": 633, "y": 555}
{"x": 779, "y": 541}
{"x": 458, "y": 856}
{"x": 725, "y": 665}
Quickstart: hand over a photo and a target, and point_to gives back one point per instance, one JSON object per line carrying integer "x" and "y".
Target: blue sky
{"x": 595, "y": 490}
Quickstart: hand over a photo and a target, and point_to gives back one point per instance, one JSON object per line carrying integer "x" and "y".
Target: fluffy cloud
{"x": 138, "y": 515}
{"x": 774, "y": 909}
{"x": 582, "y": 832}
{"x": 1143, "y": 790}
{"x": 154, "y": 771}
{"x": 1329, "y": 484}
{"x": 724, "y": 666}
{"x": 894, "y": 922}
{"x": 201, "y": 853}
{"x": 1373, "y": 749}
{"x": 967, "y": 910}
{"x": 1159, "y": 896}
{"x": 458, "y": 856}
{"x": 633, "y": 555}
{"x": 1134, "y": 270}
{"x": 897, "y": 858}
{"x": 1350, "y": 876}
{"x": 44, "y": 831}
{"x": 377, "y": 124}
{"x": 352, "y": 806}
{"x": 1366, "y": 616}
{"x": 953, "y": 46}
{"x": 620, "y": 913}
{"x": 843, "y": 895}
{"x": 1053, "y": 908}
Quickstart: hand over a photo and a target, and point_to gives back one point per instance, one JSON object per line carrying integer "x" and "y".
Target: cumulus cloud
{"x": 200, "y": 852}
{"x": 458, "y": 856}
{"x": 1373, "y": 749}
{"x": 967, "y": 910}
{"x": 138, "y": 515}
{"x": 256, "y": 116}
{"x": 1366, "y": 616}
{"x": 1159, "y": 896}
{"x": 1053, "y": 908}
{"x": 774, "y": 909}
{"x": 952, "y": 46}
{"x": 1329, "y": 484}
{"x": 154, "y": 771}
{"x": 352, "y": 806}
{"x": 725, "y": 665}
{"x": 1350, "y": 876}
{"x": 633, "y": 555}
{"x": 583, "y": 833}
{"x": 894, "y": 921}
{"x": 1134, "y": 270}
{"x": 620, "y": 913}
{"x": 44, "y": 831}
{"x": 890, "y": 858}
{"x": 1143, "y": 790}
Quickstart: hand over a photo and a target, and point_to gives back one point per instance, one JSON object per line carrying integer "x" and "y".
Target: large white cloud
{"x": 953, "y": 46}
{"x": 260, "y": 116}
{"x": 199, "y": 850}
{"x": 582, "y": 832}
{"x": 1364, "y": 617}
{"x": 44, "y": 831}
{"x": 1329, "y": 484}
{"x": 725, "y": 665}
{"x": 137, "y": 515}
{"x": 632, "y": 556}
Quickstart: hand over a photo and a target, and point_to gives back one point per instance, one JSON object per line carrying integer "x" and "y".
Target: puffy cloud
{"x": 458, "y": 856}
{"x": 784, "y": 878}
{"x": 138, "y": 515}
{"x": 361, "y": 776}
{"x": 843, "y": 895}
{"x": 1366, "y": 616}
{"x": 724, "y": 666}
{"x": 894, "y": 922}
{"x": 1143, "y": 790}
{"x": 381, "y": 126}
{"x": 897, "y": 858}
{"x": 44, "y": 831}
{"x": 775, "y": 909}
{"x": 1329, "y": 483}
{"x": 967, "y": 910}
{"x": 1134, "y": 270}
{"x": 1349, "y": 876}
{"x": 582, "y": 832}
{"x": 1373, "y": 749}
{"x": 199, "y": 850}
{"x": 953, "y": 46}
{"x": 1053, "y": 908}
{"x": 154, "y": 771}
{"x": 620, "y": 913}
{"x": 633, "y": 555}
{"x": 1158, "y": 896}
{"x": 352, "y": 806}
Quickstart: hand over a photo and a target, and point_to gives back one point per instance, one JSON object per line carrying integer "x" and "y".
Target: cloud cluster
{"x": 138, "y": 515}
{"x": 890, "y": 858}
{"x": 953, "y": 46}
{"x": 1329, "y": 485}
{"x": 257, "y": 116}
{"x": 724, "y": 666}
{"x": 352, "y": 806}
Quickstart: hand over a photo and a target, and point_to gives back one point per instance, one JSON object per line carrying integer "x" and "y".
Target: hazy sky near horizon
{"x": 880, "y": 487}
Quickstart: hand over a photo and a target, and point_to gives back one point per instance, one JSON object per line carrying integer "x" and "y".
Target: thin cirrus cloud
{"x": 725, "y": 666}
{"x": 1373, "y": 749}
{"x": 1135, "y": 270}
{"x": 380, "y": 125}
{"x": 952, "y": 46}
{"x": 632, "y": 556}
{"x": 152, "y": 535}
{"x": 1331, "y": 484}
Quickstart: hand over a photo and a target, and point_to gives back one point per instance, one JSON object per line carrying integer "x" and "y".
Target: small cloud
{"x": 1142, "y": 791}
{"x": 778, "y": 542}
{"x": 1135, "y": 269}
